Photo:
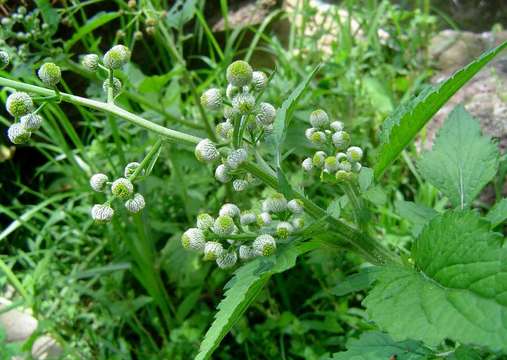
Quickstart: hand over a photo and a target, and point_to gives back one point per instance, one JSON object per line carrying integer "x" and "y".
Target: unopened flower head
{"x": 232, "y": 91}
{"x": 122, "y": 188}
{"x": 336, "y": 126}
{"x": 102, "y": 213}
{"x": 116, "y": 86}
{"x": 212, "y": 250}
{"x": 259, "y": 80}
{"x": 243, "y": 102}
{"x": 206, "y": 151}
{"x": 276, "y": 203}
{"x": 264, "y": 245}
{"x": 266, "y": 113}
{"x": 246, "y": 252}
{"x": 193, "y": 239}
{"x": 90, "y": 62}
{"x": 135, "y": 204}
{"x": 298, "y": 223}
{"x": 343, "y": 176}
{"x": 295, "y": 206}
{"x": 98, "y": 182}
{"x": 18, "y": 134}
{"x": 130, "y": 169}
{"x": 223, "y": 225}
{"x": 205, "y": 221}
{"x": 341, "y": 157}
{"x": 222, "y": 174}
{"x": 345, "y": 166}
{"x": 356, "y": 167}
{"x": 4, "y": 59}
{"x": 247, "y": 218}
{"x": 230, "y": 210}
{"x": 318, "y": 138}
{"x": 319, "y": 119}
{"x": 212, "y": 99}
{"x": 354, "y": 153}
{"x": 32, "y": 122}
{"x": 236, "y": 158}
{"x": 330, "y": 164}
{"x": 116, "y": 57}
{"x": 50, "y": 74}
{"x": 307, "y": 164}
{"x": 318, "y": 158}
{"x": 239, "y": 185}
{"x": 225, "y": 129}
{"x": 341, "y": 139}
{"x": 227, "y": 260}
{"x": 264, "y": 219}
{"x": 19, "y": 104}
{"x": 309, "y": 132}
{"x": 239, "y": 73}
{"x": 284, "y": 229}
{"x": 231, "y": 113}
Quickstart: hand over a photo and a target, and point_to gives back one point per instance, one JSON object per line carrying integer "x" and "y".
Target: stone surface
{"x": 243, "y": 14}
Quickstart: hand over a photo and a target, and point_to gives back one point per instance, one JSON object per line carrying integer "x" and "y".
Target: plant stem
{"x": 146, "y": 160}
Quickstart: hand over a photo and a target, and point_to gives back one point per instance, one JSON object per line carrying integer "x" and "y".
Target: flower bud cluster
{"x": 244, "y": 235}
{"x": 335, "y": 155}
{"x": 121, "y": 188}
{"x": 20, "y": 106}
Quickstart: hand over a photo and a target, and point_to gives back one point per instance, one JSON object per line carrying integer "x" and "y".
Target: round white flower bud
{"x": 232, "y": 91}
{"x": 336, "y": 126}
{"x": 318, "y": 138}
{"x": 341, "y": 157}
{"x": 243, "y": 103}
{"x": 116, "y": 86}
{"x": 239, "y": 73}
{"x": 135, "y": 204}
{"x": 4, "y": 59}
{"x": 227, "y": 260}
{"x": 319, "y": 119}
{"x": 50, "y": 74}
{"x": 284, "y": 229}
{"x": 212, "y": 250}
{"x": 356, "y": 167}
{"x": 225, "y": 129}
{"x": 230, "y": 210}
{"x": 90, "y": 62}
{"x": 130, "y": 169}
{"x": 295, "y": 206}
{"x": 231, "y": 114}
{"x": 222, "y": 174}
{"x": 345, "y": 166}
{"x": 102, "y": 213}
{"x": 98, "y": 182}
{"x": 116, "y": 57}
{"x": 205, "y": 221}
{"x": 247, "y": 218}
{"x": 298, "y": 223}
{"x": 193, "y": 239}
{"x": 341, "y": 139}
{"x": 266, "y": 113}
{"x": 122, "y": 188}
{"x": 239, "y": 185}
{"x": 309, "y": 133}
{"x": 264, "y": 245}
{"x": 307, "y": 164}
{"x": 245, "y": 252}
{"x": 259, "y": 80}
{"x": 212, "y": 99}
{"x": 223, "y": 225}
{"x": 236, "y": 158}
{"x": 343, "y": 176}
{"x": 354, "y": 153}
{"x": 264, "y": 219}
{"x": 19, "y": 104}
{"x": 18, "y": 134}
{"x": 276, "y": 203}
{"x": 206, "y": 151}
{"x": 31, "y": 122}
{"x": 318, "y": 159}
{"x": 330, "y": 164}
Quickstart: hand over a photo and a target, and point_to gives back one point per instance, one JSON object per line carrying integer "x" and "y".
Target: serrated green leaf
{"x": 457, "y": 291}
{"x": 462, "y": 161}
{"x": 498, "y": 214}
{"x": 242, "y": 290}
{"x": 408, "y": 119}
{"x": 376, "y": 345}
{"x": 464, "y": 353}
{"x": 356, "y": 282}
{"x": 419, "y": 215}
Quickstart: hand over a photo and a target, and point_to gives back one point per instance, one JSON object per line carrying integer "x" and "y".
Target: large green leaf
{"x": 498, "y": 214}
{"x": 457, "y": 291}
{"x": 243, "y": 288}
{"x": 376, "y": 345}
{"x": 462, "y": 161}
{"x": 408, "y": 119}
{"x": 418, "y": 214}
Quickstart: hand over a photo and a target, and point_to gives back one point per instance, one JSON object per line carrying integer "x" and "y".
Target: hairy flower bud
{"x": 309, "y": 133}
{"x": 236, "y": 158}
{"x": 345, "y": 166}
{"x": 243, "y": 103}
{"x": 264, "y": 219}
{"x": 193, "y": 239}
{"x": 31, "y": 122}
{"x": 231, "y": 114}
{"x": 343, "y": 176}
{"x": 116, "y": 57}
{"x": 356, "y": 167}
{"x": 239, "y": 185}
{"x": 266, "y": 113}
{"x": 295, "y": 206}
{"x": 4, "y": 59}
{"x": 259, "y": 80}
{"x": 122, "y": 188}
{"x": 283, "y": 229}
{"x": 19, "y": 104}
{"x": 231, "y": 91}
{"x": 205, "y": 221}
{"x": 98, "y": 182}
{"x": 246, "y": 252}
{"x": 90, "y": 62}
{"x": 318, "y": 138}
{"x": 230, "y": 210}
{"x": 50, "y": 74}
{"x": 212, "y": 250}
{"x": 18, "y": 134}
{"x": 212, "y": 99}
{"x": 135, "y": 204}
{"x": 116, "y": 86}
{"x": 307, "y": 164}
{"x": 102, "y": 213}
{"x": 330, "y": 164}
{"x": 319, "y": 119}
{"x": 318, "y": 159}
{"x": 227, "y": 260}
{"x": 206, "y": 151}
{"x": 222, "y": 174}
{"x": 239, "y": 73}
{"x": 354, "y": 153}
{"x": 130, "y": 169}
{"x": 276, "y": 203}
{"x": 264, "y": 245}
{"x": 336, "y": 126}
{"x": 298, "y": 223}
{"x": 224, "y": 129}
{"x": 223, "y": 225}
{"x": 341, "y": 157}
{"x": 247, "y": 218}
{"x": 341, "y": 139}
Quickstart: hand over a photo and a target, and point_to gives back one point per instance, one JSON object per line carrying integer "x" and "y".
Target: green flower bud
{"x": 223, "y": 226}
{"x": 31, "y": 122}
{"x": 239, "y": 73}
{"x": 318, "y": 138}
{"x": 212, "y": 99}
{"x": 309, "y": 133}
{"x": 212, "y": 250}
{"x": 330, "y": 164}
{"x": 336, "y": 126}
{"x": 102, "y": 213}
{"x": 135, "y": 204}
{"x": 247, "y": 218}
{"x": 246, "y": 252}
{"x": 224, "y": 129}
{"x": 193, "y": 239}
{"x": 229, "y": 210}
{"x": 259, "y": 80}
{"x": 264, "y": 245}
{"x": 227, "y": 260}
{"x": 90, "y": 62}
{"x": 232, "y": 91}
{"x": 19, "y": 104}
{"x": 276, "y": 203}
{"x": 18, "y": 134}
{"x": 116, "y": 57}
{"x": 236, "y": 158}
{"x": 266, "y": 113}
{"x": 298, "y": 223}
{"x": 343, "y": 176}
{"x": 122, "y": 188}
{"x": 318, "y": 159}
{"x": 354, "y": 153}
{"x": 138, "y": 35}
{"x": 341, "y": 157}
{"x": 295, "y": 206}
{"x": 116, "y": 86}
{"x": 243, "y": 103}
{"x": 341, "y": 139}
{"x": 231, "y": 114}
{"x": 307, "y": 164}
{"x": 205, "y": 221}
{"x": 206, "y": 151}
{"x": 130, "y": 169}
{"x": 345, "y": 166}
{"x": 50, "y": 74}
{"x": 319, "y": 119}
{"x": 264, "y": 219}
{"x": 356, "y": 167}
{"x": 284, "y": 229}
{"x": 98, "y": 182}
{"x": 239, "y": 185}
{"x": 4, "y": 59}
{"x": 222, "y": 174}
